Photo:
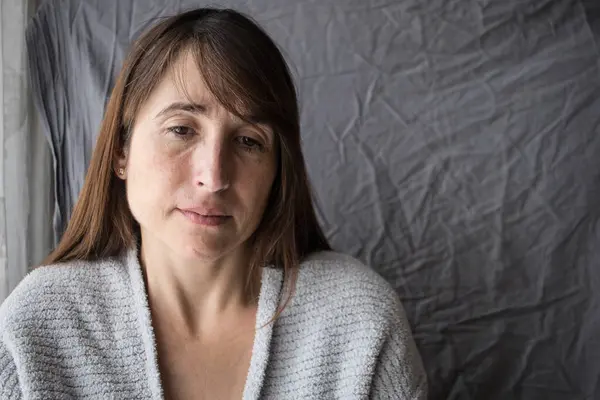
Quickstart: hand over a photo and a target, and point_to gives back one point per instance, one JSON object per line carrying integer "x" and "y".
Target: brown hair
{"x": 244, "y": 70}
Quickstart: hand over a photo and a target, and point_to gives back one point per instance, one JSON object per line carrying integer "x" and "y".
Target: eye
{"x": 249, "y": 144}
{"x": 181, "y": 131}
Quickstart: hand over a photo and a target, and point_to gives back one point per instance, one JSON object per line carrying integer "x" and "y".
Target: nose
{"x": 211, "y": 166}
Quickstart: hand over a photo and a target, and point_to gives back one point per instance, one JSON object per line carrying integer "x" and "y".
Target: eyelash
{"x": 174, "y": 129}
{"x": 250, "y": 147}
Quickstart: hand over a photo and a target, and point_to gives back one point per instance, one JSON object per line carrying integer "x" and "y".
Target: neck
{"x": 195, "y": 296}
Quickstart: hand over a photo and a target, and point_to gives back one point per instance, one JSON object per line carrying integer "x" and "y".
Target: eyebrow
{"x": 201, "y": 109}
{"x": 193, "y": 108}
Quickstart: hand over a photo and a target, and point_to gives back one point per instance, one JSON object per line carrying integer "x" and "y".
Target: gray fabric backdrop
{"x": 453, "y": 146}
{"x": 25, "y": 174}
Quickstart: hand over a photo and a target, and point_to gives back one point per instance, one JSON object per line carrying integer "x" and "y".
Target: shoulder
{"x": 339, "y": 274}
{"x": 51, "y": 290}
{"x": 344, "y": 320}
{"x": 338, "y": 282}
{"x": 336, "y": 265}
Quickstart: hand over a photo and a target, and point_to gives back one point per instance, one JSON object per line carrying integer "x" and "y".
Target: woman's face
{"x": 197, "y": 177}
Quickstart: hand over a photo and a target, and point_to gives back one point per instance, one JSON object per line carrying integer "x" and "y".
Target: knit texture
{"x": 82, "y": 330}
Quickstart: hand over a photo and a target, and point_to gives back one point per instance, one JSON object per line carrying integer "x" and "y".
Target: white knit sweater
{"x": 82, "y": 330}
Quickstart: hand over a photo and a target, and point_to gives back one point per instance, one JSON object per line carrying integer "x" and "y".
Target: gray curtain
{"x": 25, "y": 167}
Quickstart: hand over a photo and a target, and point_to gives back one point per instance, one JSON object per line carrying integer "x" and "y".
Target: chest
{"x": 210, "y": 369}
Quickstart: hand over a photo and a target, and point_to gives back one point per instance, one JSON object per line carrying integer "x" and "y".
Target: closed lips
{"x": 206, "y": 213}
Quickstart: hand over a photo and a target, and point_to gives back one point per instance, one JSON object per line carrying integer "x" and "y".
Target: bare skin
{"x": 211, "y": 364}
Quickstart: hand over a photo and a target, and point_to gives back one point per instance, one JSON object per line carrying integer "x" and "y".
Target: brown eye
{"x": 180, "y": 131}
{"x": 249, "y": 144}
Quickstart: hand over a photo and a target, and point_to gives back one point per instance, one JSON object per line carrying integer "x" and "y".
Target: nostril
{"x": 214, "y": 186}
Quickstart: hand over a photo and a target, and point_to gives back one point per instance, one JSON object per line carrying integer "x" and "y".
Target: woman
{"x": 193, "y": 265}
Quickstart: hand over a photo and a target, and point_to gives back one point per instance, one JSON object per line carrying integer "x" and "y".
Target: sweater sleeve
{"x": 399, "y": 372}
{"x": 9, "y": 381}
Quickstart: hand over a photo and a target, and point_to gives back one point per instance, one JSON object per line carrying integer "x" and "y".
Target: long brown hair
{"x": 244, "y": 70}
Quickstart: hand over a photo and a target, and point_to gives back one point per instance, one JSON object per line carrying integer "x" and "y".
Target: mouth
{"x": 206, "y": 218}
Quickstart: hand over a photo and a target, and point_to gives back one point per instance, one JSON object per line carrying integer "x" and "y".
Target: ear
{"x": 120, "y": 165}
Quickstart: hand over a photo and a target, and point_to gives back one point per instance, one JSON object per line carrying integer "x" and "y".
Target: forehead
{"x": 182, "y": 82}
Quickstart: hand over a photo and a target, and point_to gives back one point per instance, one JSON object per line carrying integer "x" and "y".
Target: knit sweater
{"x": 82, "y": 330}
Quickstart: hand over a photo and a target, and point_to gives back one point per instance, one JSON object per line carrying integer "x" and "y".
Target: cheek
{"x": 255, "y": 186}
{"x": 151, "y": 162}
{"x": 150, "y": 178}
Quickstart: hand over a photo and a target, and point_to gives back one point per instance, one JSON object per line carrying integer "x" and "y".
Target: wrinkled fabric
{"x": 25, "y": 178}
{"x": 452, "y": 145}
